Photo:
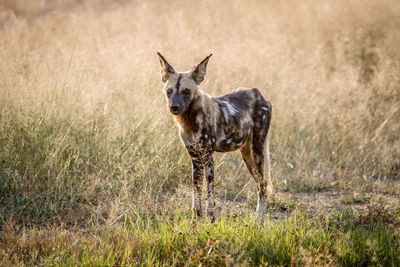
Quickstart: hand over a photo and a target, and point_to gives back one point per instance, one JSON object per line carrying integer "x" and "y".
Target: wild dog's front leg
{"x": 210, "y": 188}
{"x": 197, "y": 178}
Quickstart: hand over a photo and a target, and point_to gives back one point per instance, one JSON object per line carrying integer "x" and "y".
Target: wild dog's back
{"x": 239, "y": 113}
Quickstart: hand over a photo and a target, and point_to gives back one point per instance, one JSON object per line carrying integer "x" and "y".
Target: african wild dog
{"x": 239, "y": 120}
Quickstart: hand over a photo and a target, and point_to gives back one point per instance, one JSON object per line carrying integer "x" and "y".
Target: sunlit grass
{"x": 180, "y": 240}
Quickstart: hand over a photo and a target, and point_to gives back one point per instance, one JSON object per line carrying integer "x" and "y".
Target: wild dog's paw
{"x": 261, "y": 208}
{"x": 211, "y": 211}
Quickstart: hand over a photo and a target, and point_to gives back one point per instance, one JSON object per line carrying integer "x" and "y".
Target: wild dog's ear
{"x": 166, "y": 68}
{"x": 199, "y": 71}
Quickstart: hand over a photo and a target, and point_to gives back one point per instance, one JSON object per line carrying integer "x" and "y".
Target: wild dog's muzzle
{"x": 175, "y": 109}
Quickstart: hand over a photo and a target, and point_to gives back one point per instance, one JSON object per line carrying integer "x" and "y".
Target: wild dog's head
{"x": 181, "y": 88}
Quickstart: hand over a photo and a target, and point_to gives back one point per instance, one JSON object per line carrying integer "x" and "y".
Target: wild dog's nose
{"x": 174, "y": 107}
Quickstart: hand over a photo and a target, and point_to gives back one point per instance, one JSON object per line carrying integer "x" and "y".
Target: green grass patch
{"x": 181, "y": 241}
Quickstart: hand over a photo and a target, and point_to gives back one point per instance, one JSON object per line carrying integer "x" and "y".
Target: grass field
{"x": 92, "y": 171}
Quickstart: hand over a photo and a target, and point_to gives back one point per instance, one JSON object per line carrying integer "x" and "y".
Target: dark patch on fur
{"x": 239, "y": 99}
{"x": 261, "y": 125}
{"x": 178, "y": 83}
{"x": 188, "y": 119}
{"x": 233, "y": 120}
{"x": 210, "y": 166}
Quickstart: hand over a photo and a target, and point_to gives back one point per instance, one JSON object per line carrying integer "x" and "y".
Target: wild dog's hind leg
{"x": 254, "y": 159}
{"x": 248, "y": 157}
{"x": 258, "y": 150}
{"x": 210, "y": 188}
{"x": 260, "y": 153}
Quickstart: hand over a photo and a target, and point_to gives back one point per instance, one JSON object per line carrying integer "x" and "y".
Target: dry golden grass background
{"x": 86, "y": 135}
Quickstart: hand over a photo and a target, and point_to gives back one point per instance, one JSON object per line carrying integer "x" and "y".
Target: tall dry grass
{"x": 85, "y": 134}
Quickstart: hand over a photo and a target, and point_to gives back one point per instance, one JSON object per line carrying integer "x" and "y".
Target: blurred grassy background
{"x": 85, "y": 135}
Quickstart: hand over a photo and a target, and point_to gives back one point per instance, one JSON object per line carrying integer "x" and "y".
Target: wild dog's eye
{"x": 186, "y": 91}
{"x": 169, "y": 91}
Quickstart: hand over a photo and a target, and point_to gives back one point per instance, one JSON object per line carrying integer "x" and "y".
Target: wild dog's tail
{"x": 267, "y": 161}
{"x": 267, "y": 166}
